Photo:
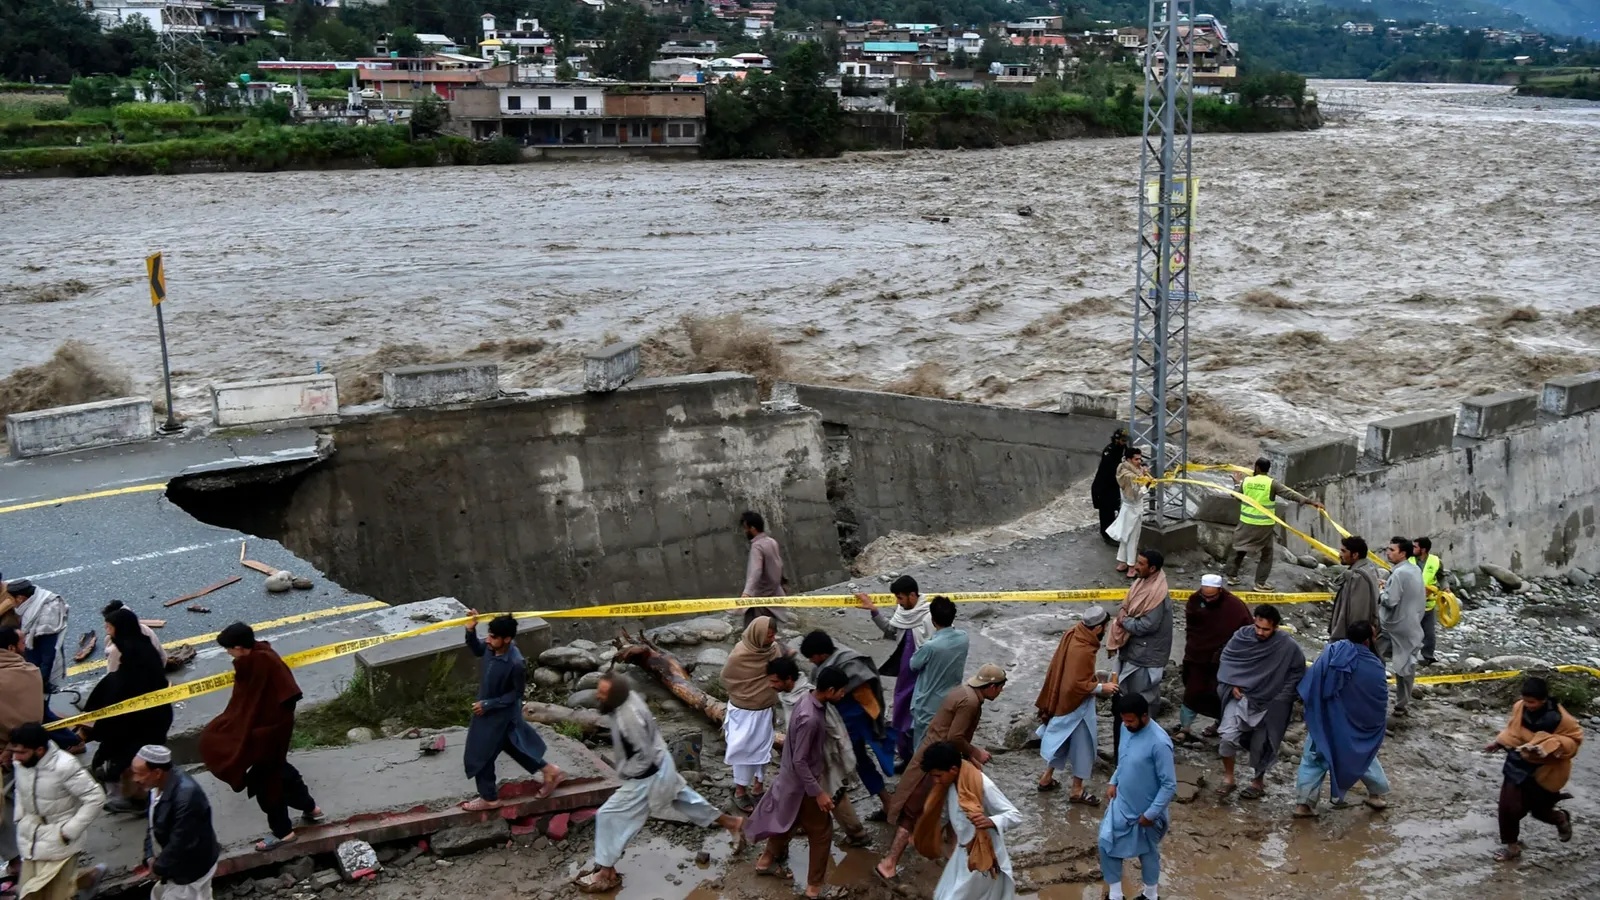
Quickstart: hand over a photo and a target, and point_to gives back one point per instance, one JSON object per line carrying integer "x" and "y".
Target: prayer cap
{"x": 1211, "y": 580}
{"x": 156, "y": 755}
{"x": 1093, "y": 616}
{"x": 988, "y": 674}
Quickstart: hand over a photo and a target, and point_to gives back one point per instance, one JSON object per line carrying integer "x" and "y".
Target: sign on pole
{"x": 158, "y": 278}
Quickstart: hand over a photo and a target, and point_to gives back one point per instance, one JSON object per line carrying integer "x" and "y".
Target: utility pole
{"x": 1159, "y": 398}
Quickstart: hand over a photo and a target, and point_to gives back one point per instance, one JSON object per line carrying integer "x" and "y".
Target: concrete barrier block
{"x": 1316, "y": 458}
{"x": 413, "y": 386}
{"x": 1495, "y": 414}
{"x": 410, "y": 664}
{"x": 85, "y": 425}
{"x": 1571, "y": 395}
{"x": 1106, "y": 406}
{"x": 610, "y": 367}
{"x": 274, "y": 400}
{"x": 1410, "y": 435}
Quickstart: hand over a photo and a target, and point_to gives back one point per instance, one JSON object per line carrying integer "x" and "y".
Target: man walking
{"x": 57, "y": 801}
{"x": 1429, "y": 563}
{"x": 1539, "y": 742}
{"x": 967, "y": 803}
{"x": 785, "y": 677}
{"x": 1211, "y": 617}
{"x": 497, "y": 724}
{"x": 247, "y": 747}
{"x": 1140, "y": 637}
{"x": 938, "y": 666}
{"x": 763, "y": 572}
{"x": 863, "y": 712}
{"x": 910, "y": 626}
{"x": 1256, "y": 529}
{"x": 1141, "y": 790}
{"x": 180, "y": 826}
{"x": 1400, "y": 606}
{"x": 651, "y": 786}
{"x": 798, "y": 800}
{"x": 43, "y": 617}
{"x": 1346, "y": 699}
{"x": 1066, "y": 705}
{"x": 1356, "y": 597}
{"x": 747, "y": 728}
{"x": 1258, "y": 682}
{"x": 1103, "y": 491}
{"x": 955, "y": 724}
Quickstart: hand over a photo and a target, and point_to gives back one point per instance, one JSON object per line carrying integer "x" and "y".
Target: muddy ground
{"x": 1433, "y": 842}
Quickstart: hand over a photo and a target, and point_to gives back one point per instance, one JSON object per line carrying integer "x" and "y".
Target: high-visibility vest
{"x": 1259, "y": 489}
{"x": 1430, "y": 575}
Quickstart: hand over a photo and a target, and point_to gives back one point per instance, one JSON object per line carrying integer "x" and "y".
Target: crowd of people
{"x": 829, "y": 728}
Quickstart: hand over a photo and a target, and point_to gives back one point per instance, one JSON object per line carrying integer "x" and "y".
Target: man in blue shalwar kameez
{"x": 1141, "y": 790}
{"x": 497, "y": 724}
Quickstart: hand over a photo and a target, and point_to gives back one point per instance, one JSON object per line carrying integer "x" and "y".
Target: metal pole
{"x": 171, "y": 425}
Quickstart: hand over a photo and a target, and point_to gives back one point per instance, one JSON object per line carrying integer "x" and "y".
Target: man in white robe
{"x": 979, "y": 815}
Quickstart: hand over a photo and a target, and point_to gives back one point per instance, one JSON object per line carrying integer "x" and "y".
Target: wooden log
{"x": 666, "y": 669}
{"x": 232, "y": 579}
{"x": 555, "y": 714}
{"x": 261, "y": 567}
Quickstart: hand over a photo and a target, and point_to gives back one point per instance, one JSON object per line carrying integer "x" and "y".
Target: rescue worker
{"x": 1431, "y": 565}
{"x": 1256, "y": 529}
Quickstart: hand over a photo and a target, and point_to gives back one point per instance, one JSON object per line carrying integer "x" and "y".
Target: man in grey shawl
{"x": 651, "y": 786}
{"x": 863, "y": 710}
{"x": 1400, "y": 608}
{"x": 1356, "y": 598}
{"x": 1258, "y": 681}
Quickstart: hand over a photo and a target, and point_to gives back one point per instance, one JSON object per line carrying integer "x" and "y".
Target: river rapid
{"x": 1372, "y": 267}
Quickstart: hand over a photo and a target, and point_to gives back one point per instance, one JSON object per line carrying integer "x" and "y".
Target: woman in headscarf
{"x": 140, "y": 671}
{"x": 747, "y": 727}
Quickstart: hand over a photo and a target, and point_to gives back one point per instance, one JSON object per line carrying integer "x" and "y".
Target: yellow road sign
{"x": 158, "y": 278}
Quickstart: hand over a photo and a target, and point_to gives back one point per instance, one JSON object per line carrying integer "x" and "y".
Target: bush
{"x": 52, "y": 112}
{"x": 500, "y": 152}
{"x": 153, "y": 112}
{"x": 275, "y": 111}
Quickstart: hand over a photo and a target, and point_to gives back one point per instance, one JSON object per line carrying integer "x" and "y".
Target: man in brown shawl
{"x": 955, "y": 723}
{"x": 1356, "y": 597}
{"x": 247, "y": 747}
{"x": 747, "y": 728}
{"x": 1539, "y": 742}
{"x": 1066, "y": 705}
{"x": 1211, "y": 617}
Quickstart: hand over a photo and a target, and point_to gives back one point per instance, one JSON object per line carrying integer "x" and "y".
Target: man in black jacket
{"x": 1103, "y": 490}
{"x": 180, "y": 823}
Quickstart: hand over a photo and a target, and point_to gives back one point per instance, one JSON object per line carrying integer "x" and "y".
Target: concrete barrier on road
{"x": 1316, "y": 458}
{"x": 410, "y": 664}
{"x": 1410, "y": 435}
{"x": 1571, "y": 395}
{"x": 63, "y": 428}
{"x": 440, "y": 385}
{"x": 298, "y": 398}
{"x": 1496, "y": 414}
{"x": 610, "y": 367}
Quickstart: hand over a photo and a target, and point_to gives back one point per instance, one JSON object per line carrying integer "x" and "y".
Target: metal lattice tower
{"x": 182, "y": 48}
{"x": 1160, "y": 394}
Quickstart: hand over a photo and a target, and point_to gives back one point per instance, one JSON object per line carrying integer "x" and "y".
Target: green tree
{"x": 632, "y": 39}
{"x": 404, "y": 42}
{"x": 428, "y": 116}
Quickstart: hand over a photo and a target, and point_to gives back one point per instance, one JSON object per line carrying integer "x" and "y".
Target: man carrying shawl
{"x": 747, "y": 728}
{"x": 1258, "y": 682}
{"x": 965, "y": 802}
{"x": 1346, "y": 698}
{"x": 1140, "y": 637}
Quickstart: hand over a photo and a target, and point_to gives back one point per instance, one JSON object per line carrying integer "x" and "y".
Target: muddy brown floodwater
{"x": 1346, "y": 273}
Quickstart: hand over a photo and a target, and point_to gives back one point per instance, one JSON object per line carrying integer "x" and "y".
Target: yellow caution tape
{"x": 1501, "y": 675}
{"x": 210, "y": 684}
{"x": 1449, "y": 608}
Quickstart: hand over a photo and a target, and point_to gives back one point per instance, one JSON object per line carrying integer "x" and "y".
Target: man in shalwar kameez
{"x": 1142, "y": 788}
{"x": 799, "y": 800}
{"x": 966, "y": 802}
{"x": 910, "y": 626}
{"x": 863, "y": 710}
{"x": 651, "y": 786}
{"x": 747, "y": 726}
{"x": 497, "y": 724}
{"x": 1066, "y": 705}
{"x": 1259, "y": 682}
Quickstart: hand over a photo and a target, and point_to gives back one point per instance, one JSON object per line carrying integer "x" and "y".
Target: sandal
{"x": 551, "y": 782}
{"x": 271, "y": 842}
{"x": 593, "y": 884}
{"x": 1564, "y": 830}
{"x": 1185, "y": 738}
{"x": 314, "y": 816}
{"x": 827, "y": 892}
{"x": 478, "y": 804}
{"x": 1251, "y": 792}
{"x": 1084, "y": 799}
{"x": 1048, "y": 786}
{"x": 862, "y": 841}
{"x": 776, "y": 870}
{"x": 1211, "y": 731}
{"x": 1226, "y": 788}
{"x": 1507, "y": 854}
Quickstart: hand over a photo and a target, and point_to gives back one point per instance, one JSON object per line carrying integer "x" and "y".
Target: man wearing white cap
{"x": 1210, "y": 618}
{"x": 1066, "y": 704}
{"x": 180, "y": 825}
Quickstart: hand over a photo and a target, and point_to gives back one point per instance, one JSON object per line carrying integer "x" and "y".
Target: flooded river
{"x": 1369, "y": 267}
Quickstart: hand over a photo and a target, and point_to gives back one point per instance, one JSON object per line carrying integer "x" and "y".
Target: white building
{"x": 525, "y": 41}
{"x": 225, "y": 22}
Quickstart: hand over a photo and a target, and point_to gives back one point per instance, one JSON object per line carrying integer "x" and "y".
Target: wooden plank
{"x": 261, "y": 567}
{"x": 204, "y": 591}
{"x": 153, "y": 623}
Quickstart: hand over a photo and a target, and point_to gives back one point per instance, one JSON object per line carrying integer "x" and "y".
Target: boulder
{"x": 1514, "y": 661}
{"x": 1507, "y": 578}
{"x": 569, "y": 659}
{"x": 463, "y": 839}
{"x": 299, "y": 868}
{"x": 358, "y": 736}
{"x": 586, "y": 646}
{"x": 279, "y": 581}
{"x": 546, "y": 678}
{"x": 588, "y": 682}
{"x": 711, "y": 658}
{"x": 355, "y": 858}
{"x": 586, "y": 699}
{"x": 1578, "y": 577}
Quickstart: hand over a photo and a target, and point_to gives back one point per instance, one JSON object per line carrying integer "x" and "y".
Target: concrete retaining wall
{"x": 300, "y": 397}
{"x": 441, "y": 384}
{"x": 1526, "y": 498}
{"x": 558, "y": 501}
{"x": 899, "y": 463}
{"x": 79, "y": 427}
